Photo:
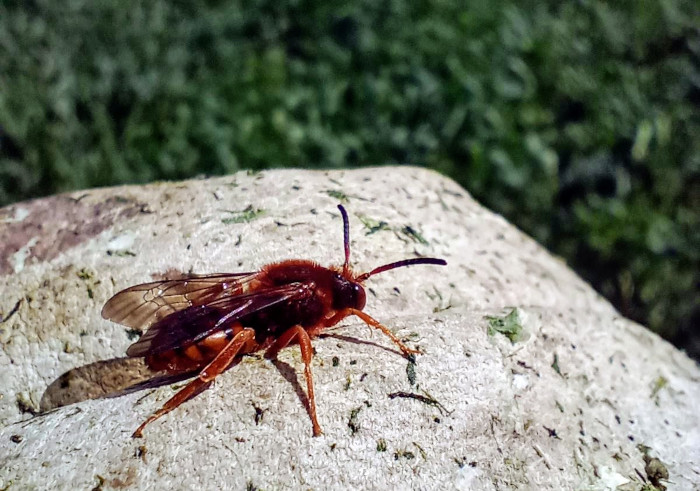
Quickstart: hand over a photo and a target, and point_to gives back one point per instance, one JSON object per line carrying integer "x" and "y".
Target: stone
{"x": 527, "y": 379}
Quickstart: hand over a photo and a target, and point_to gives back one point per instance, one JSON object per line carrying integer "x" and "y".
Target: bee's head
{"x": 347, "y": 288}
{"x": 347, "y": 294}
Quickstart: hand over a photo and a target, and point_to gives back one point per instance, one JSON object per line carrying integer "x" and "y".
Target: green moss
{"x": 372, "y": 225}
{"x": 411, "y": 371}
{"x": 353, "y": 424}
{"x": 338, "y": 195}
{"x": 243, "y": 216}
{"x": 509, "y": 326}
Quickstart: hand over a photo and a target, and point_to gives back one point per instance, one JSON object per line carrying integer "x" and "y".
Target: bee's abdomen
{"x": 196, "y": 355}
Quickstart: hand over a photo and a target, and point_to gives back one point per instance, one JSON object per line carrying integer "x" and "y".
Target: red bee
{"x": 202, "y": 324}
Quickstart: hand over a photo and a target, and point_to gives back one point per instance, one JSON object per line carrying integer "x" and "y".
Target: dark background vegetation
{"x": 577, "y": 120}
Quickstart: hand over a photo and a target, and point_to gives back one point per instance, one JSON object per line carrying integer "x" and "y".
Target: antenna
{"x": 401, "y": 264}
{"x": 346, "y": 239}
{"x": 380, "y": 269}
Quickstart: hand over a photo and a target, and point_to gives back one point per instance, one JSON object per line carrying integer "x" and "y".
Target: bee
{"x": 200, "y": 325}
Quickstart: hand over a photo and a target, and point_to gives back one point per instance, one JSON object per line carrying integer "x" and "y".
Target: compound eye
{"x": 360, "y": 297}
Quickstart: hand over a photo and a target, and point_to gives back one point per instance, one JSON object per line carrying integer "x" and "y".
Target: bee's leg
{"x": 375, "y": 323}
{"x": 220, "y": 363}
{"x": 195, "y": 387}
{"x": 332, "y": 321}
{"x": 307, "y": 352}
{"x": 226, "y": 356}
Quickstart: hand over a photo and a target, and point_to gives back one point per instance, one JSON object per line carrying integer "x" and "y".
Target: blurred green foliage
{"x": 577, "y": 120}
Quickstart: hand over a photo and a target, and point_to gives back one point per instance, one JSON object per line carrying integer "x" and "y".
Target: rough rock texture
{"x": 582, "y": 398}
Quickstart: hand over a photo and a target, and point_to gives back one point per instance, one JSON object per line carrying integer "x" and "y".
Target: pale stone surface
{"x": 568, "y": 405}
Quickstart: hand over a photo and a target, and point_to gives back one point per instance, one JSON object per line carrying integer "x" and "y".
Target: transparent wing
{"x": 185, "y": 327}
{"x": 142, "y": 305}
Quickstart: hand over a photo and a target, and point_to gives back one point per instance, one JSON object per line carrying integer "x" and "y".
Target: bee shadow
{"x": 119, "y": 376}
{"x": 104, "y": 379}
{"x": 353, "y": 340}
{"x": 290, "y": 375}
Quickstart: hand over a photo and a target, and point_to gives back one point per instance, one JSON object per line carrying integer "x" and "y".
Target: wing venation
{"x": 142, "y": 305}
{"x": 194, "y": 323}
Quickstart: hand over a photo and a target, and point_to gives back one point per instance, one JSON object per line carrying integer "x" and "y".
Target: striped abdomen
{"x": 195, "y": 356}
